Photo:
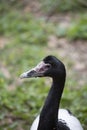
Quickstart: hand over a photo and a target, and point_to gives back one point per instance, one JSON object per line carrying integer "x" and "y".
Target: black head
{"x": 57, "y": 68}
{"x": 50, "y": 66}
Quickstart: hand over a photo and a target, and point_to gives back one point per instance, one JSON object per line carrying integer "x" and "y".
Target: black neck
{"x": 49, "y": 114}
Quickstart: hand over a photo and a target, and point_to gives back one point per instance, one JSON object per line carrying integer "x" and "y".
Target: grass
{"x": 77, "y": 28}
{"x": 63, "y": 6}
{"x": 21, "y": 101}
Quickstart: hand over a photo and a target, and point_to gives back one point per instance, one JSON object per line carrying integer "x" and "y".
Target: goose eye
{"x": 48, "y": 66}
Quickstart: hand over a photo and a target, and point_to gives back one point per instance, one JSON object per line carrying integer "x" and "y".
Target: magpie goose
{"x": 51, "y": 117}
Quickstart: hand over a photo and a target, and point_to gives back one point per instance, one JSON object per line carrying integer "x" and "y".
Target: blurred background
{"x": 29, "y": 31}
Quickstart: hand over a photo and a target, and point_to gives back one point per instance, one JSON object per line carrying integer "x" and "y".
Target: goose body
{"x": 65, "y": 117}
{"x": 51, "y": 117}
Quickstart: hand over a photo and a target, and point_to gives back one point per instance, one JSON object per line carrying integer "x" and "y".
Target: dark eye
{"x": 48, "y": 66}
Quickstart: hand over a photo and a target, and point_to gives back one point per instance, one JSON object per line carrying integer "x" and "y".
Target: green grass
{"x": 56, "y": 6}
{"x": 20, "y": 101}
{"x": 77, "y": 29}
{"x": 25, "y": 29}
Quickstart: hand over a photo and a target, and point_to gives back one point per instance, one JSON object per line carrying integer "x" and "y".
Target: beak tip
{"x": 23, "y": 76}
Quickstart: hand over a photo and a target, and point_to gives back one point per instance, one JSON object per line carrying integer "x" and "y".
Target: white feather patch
{"x": 71, "y": 121}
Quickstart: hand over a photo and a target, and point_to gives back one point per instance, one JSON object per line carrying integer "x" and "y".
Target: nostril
{"x": 31, "y": 73}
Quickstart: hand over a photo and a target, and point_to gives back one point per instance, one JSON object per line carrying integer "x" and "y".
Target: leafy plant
{"x": 21, "y": 101}
{"x": 78, "y": 29}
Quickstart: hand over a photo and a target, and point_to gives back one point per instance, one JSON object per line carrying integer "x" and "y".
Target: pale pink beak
{"x": 38, "y": 71}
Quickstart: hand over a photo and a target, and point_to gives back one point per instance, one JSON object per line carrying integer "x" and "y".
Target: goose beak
{"x": 37, "y": 71}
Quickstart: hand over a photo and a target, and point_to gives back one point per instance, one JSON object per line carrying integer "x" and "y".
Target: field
{"x": 25, "y": 39}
